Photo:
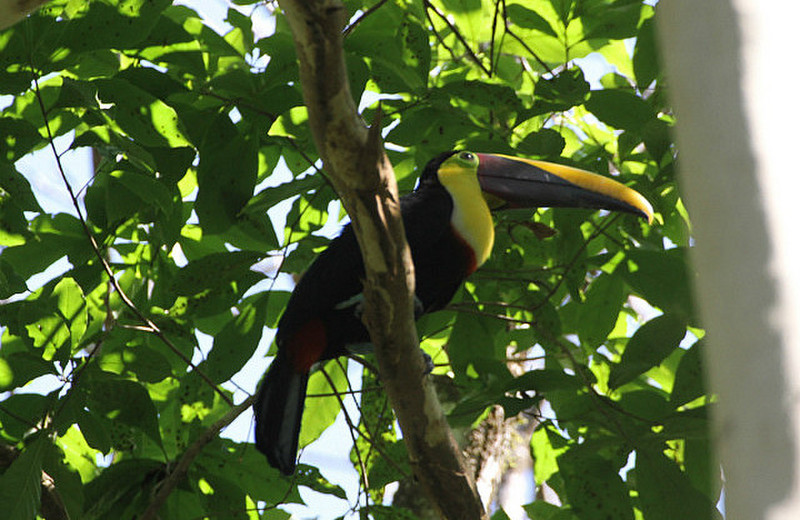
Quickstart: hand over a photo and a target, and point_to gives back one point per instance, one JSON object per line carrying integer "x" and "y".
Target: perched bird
{"x": 450, "y": 231}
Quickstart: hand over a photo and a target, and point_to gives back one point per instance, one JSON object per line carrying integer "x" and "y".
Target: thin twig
{"x": 368, "y": 435}
{"x": 522, "y": 42}
{"x": 360, "y": 19}
{"x": 351, "y": 429}
{"x": 458, "y": 36}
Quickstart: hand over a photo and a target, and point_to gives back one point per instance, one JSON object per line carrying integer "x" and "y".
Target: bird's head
{"x": 513, "y": 182}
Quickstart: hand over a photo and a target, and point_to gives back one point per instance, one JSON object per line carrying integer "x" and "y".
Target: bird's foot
{"x": 428, "y": 362}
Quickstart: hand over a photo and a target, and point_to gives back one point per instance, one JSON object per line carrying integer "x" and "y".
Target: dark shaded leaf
{"x": 19, "y": 138}
{"x": 645, "y": 56}
{"x": 620, "y": 109}
{"x": 665, "y": 492}
{"x": 599, "y": 312}
{"x": 214, "y": 271}
{"x": 543, "y": 143}
{"x": 226, "y": 174}
{"x": 690, "y": 376}
{"x": 524, "y": 17}
{"x": 562, "y": 92}
{"x": 541, "y": 510}
{"x": 662, "y": 278}
{"x": 124, "y": 401}
{"x": 235, "y": 343}
{"x": 21, "y": 483}
{"x": 648, "y": 347}
{"x": 593, "y": 485}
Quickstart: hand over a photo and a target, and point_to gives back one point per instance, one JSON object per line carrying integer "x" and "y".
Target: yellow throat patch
{"x": 471, "y": 216}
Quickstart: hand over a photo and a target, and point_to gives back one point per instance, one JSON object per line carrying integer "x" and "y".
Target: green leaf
{"x": 99, "y": 27}
{"x": 322, "y": 406}
{"x": 593, "y": 485}
{"x": 226, "y": 174}
{"x": 10, "y": 282}
{"x": 565, "y": 90}
{"x": 172, "y": 163}
{"x": 21, "y": 484}
{"x": 646, "y": 64}
{"x": 125, "y": 401}
{"x": 620, "y": 109}
{"x": 126, "y": 354}
{"x": 61, "y": 319}
{"x": 269, "y": 197}
{"x": 541, "y": 510}
{"x": 71, "y": 304}
{"x": 276, "y": 304}
{"x": 66, "y": 480}
{"x": 545, "y": 453}
{"x": 215, "y": 271}
{"x": 543, "y": 143}
{"x": 235, "y": 343}
{"x": 20, "y": 411}
{"x": 150, "y": 191}
{"x": 492, "y": 96}
{"x": 662, "y": 278}
{"x": 690, "y": 377}
{"x": 617, "y": 21}
{"x": 145, "y": 118}
{"x": 600, "y": 311}
{"x": 701, "y": 467}
{"x": 646, "y": 404}
{"x": 19, "y": 138}
{"x": 524, "y": 17}
{"x": 55, "y": 236}
{"x": 545, "y": 380}
{"x": 6, "y": 374}
{"x": 665, "y": 492}
{"x": 471, "y": 343}
{"x": 311, "y": 478}
{"x": 121, "y": 484}
{"x": 241, "y": 37}
{"x": 650, "y": 345}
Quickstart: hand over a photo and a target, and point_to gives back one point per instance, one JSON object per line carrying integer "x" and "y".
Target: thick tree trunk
{"x": 729, "y": 66}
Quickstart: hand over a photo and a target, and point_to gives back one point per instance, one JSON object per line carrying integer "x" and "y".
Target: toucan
{"x": 450, "y": 232}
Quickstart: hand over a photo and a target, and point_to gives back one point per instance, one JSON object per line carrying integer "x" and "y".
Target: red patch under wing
{"x": 471, "y": 262}
{"x": 307, "y": 345}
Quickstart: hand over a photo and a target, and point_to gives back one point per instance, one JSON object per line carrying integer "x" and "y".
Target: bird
{"x": 450, "y": 232}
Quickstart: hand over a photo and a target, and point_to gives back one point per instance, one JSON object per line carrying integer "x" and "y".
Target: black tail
{"x": 278, "y": 410}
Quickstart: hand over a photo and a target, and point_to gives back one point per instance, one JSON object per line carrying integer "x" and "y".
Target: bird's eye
{"x": 467, "y": 156}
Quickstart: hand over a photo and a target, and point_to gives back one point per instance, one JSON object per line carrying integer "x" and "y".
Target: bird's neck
{"x": 471, "y": 218}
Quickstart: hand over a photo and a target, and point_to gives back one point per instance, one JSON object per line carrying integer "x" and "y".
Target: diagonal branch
{"x": 362, "y": 176}
{"x": 177, "y": 474}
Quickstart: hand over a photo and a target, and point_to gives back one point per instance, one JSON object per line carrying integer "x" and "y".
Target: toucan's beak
{"x": 525, "y": 183}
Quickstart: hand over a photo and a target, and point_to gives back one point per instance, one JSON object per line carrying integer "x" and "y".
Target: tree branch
{"x": 176, "y": 475}
{"x": 363, "y": 177}
{"x": 12, "y": 11}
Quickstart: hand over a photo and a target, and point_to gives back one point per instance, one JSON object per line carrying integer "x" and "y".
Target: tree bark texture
{"x": 726, "y": 64}
{"x": 12, "y": 11}
{"x": 360, "y": 172}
